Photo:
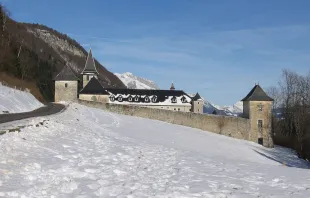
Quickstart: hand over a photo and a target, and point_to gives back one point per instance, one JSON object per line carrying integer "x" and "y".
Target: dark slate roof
{"x": 196, "y": 97}
{"x": 93, "y": 87}
{"x": 162, "y": 95}
{"x": 90, "y": 66}
{"x": 66, "y": 74}
{"x": 257, "y": 94}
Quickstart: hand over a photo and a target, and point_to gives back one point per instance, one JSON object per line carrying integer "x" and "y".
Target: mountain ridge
{"x": 37, "y": 53}
{"x": 134, "y": 82}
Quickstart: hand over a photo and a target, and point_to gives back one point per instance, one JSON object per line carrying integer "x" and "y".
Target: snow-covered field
{"x": 85, "y": 152}
{"x": 15, "y": 101}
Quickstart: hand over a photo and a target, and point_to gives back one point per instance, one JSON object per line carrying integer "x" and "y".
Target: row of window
{"x": 146, "y": 99}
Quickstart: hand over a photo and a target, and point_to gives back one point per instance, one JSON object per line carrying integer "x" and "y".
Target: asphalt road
{"x": 50, "y": 108}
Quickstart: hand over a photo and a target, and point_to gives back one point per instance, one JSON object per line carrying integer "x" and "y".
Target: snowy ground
{"x": 85, "y": 152}
{"x": 15, "y": 101}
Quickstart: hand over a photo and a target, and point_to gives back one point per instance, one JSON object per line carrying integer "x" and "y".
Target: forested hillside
{"x": 35, "y": 53}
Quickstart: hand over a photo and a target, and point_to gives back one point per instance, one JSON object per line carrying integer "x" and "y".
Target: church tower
{"x": 66, "y": 85}
{"x": 89, "y": 70}
{"x": 257, "y": 107}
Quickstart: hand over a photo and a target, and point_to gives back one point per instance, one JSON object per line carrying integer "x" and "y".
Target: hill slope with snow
{"x": 86, "y": 152}
{"x": 134, "y": 82}
{"x": 16, "y": 101}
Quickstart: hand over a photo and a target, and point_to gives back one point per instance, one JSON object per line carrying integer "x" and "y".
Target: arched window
{"x": 137, "y": 99}
{"x": 120, "y": 99}
{"x": 130, "y": 99}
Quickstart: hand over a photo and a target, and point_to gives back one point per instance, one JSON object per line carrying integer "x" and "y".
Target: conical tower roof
{"x": 90, "y": 66}
{"x": 196, "y": 97}
{"x": 257, "y": 94}
{"x": 94, "y": 87}
{"x": 172, "y": 87}
{"x": 66, "y": 74}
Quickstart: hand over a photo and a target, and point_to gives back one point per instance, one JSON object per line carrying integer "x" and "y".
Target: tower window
{"x": 66, "y": 84}
{"x": 260, "y": 107}
{"x": 260, "y": 127}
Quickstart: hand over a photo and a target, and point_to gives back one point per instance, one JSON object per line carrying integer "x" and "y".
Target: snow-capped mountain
{"x": 233, "y": 110}
{"x": 134, "y": 82}
{"x": 236, "y": 108}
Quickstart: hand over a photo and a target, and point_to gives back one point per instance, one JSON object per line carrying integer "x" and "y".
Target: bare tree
{"x": 295, "y": 92}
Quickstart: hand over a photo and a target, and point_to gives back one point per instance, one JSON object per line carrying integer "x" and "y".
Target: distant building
{"x": 66, "y": 88}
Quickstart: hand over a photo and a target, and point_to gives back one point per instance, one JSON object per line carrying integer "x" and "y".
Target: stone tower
{"x": 197, "y": 104}
{"x": 257, "y": 106}
{"x": 66, "y": 85}
{"x": 89, "y": 70}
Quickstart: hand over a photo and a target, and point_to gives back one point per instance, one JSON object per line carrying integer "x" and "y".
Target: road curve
{"x": 50, "y": 108}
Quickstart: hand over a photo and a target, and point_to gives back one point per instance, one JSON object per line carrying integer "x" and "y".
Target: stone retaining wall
{"x": 230, "y": 126}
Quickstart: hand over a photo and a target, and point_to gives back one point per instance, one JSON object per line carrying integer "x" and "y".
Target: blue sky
{"x": 217, "y": 48}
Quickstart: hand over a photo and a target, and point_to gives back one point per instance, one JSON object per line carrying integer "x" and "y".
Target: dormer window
{"x": 112, "y": 98}
{"x": 183, "y": 100}
{"x": 146, "y": 99}
{"x": 137, "y": 99}
{"x": 130, "y": 99}
{"x": 120, "y": 99}
{"x": 154, "y": 99}
{"x": 174, "y": 99}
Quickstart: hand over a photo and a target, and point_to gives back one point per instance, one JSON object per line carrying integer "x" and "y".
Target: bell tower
{"x": 257, "y": 107}
{"x": 89, "y": 70}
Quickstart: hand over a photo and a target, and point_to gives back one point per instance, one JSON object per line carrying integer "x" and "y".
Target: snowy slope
{"x": 86, "y": 152}
{"x": 134, "y": 82}
{"x": 15, "y": 101}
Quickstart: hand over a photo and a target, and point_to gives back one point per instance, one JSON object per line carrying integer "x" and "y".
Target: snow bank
{"x": 15, "y": 101}
{"x": 86, "y": 152}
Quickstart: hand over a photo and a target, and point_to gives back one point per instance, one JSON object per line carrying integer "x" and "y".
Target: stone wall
{"x": 94, "y": 97}
{"x": 230, "y": 126}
